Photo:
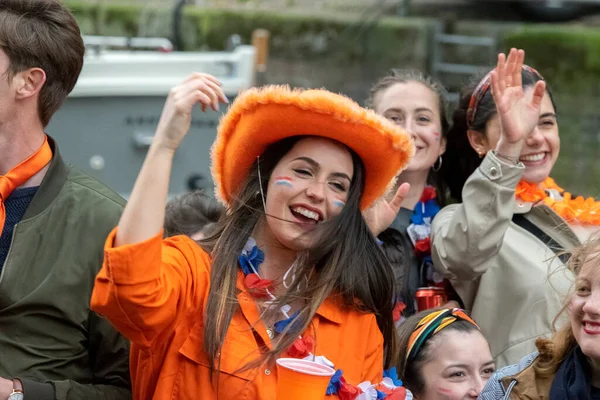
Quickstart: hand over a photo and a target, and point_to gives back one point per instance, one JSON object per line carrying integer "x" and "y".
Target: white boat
{"x": 107, "y": 123}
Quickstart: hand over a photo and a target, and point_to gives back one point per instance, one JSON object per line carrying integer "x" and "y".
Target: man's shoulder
{"x": 94, "y": 192}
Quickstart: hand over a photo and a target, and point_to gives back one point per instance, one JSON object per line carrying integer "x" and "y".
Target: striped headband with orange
{"x": 431, "y": 324}
{"x": 482, "y": 89}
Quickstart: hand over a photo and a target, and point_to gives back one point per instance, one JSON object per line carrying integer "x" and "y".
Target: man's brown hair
{"x": 42, "y": 34}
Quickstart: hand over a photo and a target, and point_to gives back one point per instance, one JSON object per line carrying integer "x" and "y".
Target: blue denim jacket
{"x": 495, "y": 390}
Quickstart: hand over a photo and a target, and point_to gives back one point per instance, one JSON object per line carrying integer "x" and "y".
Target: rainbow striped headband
{"x": 431, "y": 324}
{"x": 482, "y": 89}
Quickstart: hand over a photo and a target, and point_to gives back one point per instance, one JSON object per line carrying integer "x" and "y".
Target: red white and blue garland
{"x": 389, "y": 388}
{"x": 419, "y": 232}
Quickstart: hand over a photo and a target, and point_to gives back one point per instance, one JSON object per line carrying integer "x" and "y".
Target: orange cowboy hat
{"x": 260, "y": 117}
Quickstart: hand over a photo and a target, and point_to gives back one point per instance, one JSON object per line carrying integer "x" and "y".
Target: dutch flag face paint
{"x": 283, "y": 181}
{"x": 338, "y": 202}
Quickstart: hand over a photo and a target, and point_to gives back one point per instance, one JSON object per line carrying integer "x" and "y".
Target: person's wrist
{"x": 508, "y": 159}
{"x": 508, "y": 149}
{"x": 375, "y": 231}
{"x": 163, "y": 148}
{"x": 17, "y": 388}
{"x": 17, "y": 385}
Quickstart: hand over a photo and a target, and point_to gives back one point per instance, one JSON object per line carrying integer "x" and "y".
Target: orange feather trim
{"x": 260, "y": 117}
{"x": 580, "y": 209}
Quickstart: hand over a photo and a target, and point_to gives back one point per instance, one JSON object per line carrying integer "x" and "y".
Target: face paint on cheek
{"x": 283, "y": 181}
{"x": 437, "y": 136}
{"x": 444, "y": 391}
{"x": 339, "y": 202}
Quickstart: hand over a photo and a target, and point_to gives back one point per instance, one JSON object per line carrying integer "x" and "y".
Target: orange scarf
{"x": 585, "y": 211}
{"x": 21, "y": 173}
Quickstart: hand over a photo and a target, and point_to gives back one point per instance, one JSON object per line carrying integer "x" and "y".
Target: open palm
{"x": 519, "y": 114}
{"x": 382, "y": 213}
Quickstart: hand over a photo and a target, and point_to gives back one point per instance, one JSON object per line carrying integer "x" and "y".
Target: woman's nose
{"x": 591, "y": 305}
{"x": 409, "y": 127}
{"x": 477, "y": 386}
{"x": 535, "y": 138}
{"x": 316, "y": 191}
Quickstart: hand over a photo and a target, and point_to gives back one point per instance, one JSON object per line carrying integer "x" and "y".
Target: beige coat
{"x": 512, "y": 282}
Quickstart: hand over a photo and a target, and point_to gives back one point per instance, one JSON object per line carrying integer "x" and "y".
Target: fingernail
{"x": 226, "y": 100}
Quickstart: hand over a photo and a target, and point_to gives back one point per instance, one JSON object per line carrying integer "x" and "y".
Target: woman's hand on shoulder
{"x": 518, "y": 113}
{"x": 176, "y": 116}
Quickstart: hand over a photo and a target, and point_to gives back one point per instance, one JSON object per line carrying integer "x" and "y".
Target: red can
{"x": 430, "y": 297}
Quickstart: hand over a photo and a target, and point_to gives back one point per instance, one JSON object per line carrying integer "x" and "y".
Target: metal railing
{"x": 440, "y": 67}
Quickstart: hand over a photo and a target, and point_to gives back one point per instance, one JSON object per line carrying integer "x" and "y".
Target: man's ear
{"x": 29, "y": 83}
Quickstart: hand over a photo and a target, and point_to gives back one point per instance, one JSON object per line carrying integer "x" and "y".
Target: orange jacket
{"x": 155, "y": 294}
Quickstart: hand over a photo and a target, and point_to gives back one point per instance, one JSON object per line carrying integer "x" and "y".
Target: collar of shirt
{"x": 329, "y": 310}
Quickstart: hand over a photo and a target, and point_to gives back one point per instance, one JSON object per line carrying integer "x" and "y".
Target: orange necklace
{"x": 585, "y": 211}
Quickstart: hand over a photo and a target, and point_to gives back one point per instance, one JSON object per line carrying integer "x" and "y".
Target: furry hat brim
{"x": 260, "y": 117}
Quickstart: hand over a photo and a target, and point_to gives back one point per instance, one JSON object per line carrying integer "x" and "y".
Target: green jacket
{"x": 49, "y": 338}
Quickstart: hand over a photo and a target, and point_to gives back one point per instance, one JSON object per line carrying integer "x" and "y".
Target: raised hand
{"x": 519, "y": 114}
{"x": 176, "y": 116}
{"x": 382, "y": 213}
{"x": 144, "y": 213}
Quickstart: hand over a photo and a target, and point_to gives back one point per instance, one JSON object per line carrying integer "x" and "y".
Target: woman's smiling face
{"x": 542, "y": 146}
{"x": 584, "y": 308}
{"x": 415, "y": 108}
{"x": 459, "y": 366}
{"x": 309, "y": 185}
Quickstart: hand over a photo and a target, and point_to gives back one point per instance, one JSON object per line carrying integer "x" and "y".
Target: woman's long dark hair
{"x": 460, "y": 159}
{"x": 396, "y": 245}
{"x": 345, "y": 261}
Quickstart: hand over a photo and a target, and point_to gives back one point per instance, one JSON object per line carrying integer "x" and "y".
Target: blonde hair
{"x": 553, "y": 351}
